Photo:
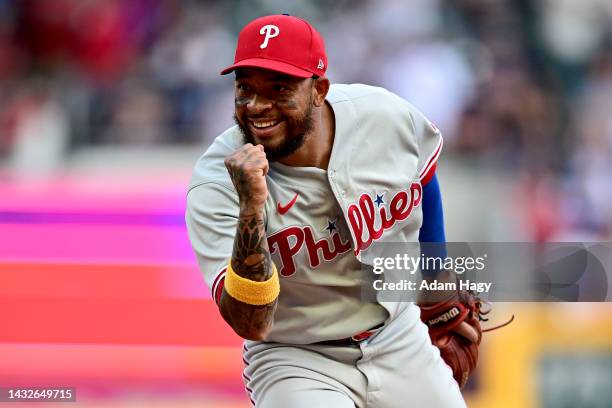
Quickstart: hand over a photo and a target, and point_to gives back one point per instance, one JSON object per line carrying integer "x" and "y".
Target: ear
{"x": 319, "y": 91}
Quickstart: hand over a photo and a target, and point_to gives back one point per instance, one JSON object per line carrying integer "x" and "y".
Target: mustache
{"x": 297, "y": 132}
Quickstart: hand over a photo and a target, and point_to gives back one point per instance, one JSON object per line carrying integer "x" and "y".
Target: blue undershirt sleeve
{"x": 432, "y": 229}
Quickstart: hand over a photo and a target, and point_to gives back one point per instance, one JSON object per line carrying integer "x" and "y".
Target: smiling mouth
{"x": 264, "y": 124}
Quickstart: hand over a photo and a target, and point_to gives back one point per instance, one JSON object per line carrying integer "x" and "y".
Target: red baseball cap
{"x": 281, "y": 43}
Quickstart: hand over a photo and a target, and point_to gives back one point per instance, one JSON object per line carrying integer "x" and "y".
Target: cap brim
{"x": 271, "y": 65}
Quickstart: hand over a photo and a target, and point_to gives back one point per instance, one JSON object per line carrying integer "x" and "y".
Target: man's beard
{"x": 297, "y": 133}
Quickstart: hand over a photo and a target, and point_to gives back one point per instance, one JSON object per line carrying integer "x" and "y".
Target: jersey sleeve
{"x": 429, "y": 140}
{"x": 211, "y": 218}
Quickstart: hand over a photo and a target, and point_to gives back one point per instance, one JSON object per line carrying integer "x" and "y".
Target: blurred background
{"x": 105, "y": 105}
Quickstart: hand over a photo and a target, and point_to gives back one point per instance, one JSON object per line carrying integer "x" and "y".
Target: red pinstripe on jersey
{"x": 217, "y": 287}
{"x": 427, "y": 171}
{"x": 245, "y": 377}
{"x": 427, "y": 178}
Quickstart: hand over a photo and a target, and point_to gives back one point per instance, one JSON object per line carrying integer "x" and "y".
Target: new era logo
{"x": 321, "y": 64}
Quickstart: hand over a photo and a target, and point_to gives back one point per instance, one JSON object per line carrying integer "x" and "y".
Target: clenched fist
{"x": 247, "y": 168}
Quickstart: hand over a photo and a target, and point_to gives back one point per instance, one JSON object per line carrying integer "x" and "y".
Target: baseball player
{"x": 282, "y": 211}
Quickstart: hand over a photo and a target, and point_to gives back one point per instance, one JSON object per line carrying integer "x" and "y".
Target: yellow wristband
{"x": 249, "y": 291}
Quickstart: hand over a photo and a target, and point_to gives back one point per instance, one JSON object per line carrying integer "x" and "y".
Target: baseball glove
{"x": 442, "y": 318}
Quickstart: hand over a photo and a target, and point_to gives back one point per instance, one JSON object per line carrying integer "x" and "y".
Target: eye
{"x": 280, "y": 88}
{"x": 242, "y": 87}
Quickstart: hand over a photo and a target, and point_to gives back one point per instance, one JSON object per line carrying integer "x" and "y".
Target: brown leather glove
{"x": 442, "y": 318}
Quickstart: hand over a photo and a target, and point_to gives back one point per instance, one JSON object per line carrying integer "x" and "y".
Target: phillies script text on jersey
{"x": 362, "y": 218}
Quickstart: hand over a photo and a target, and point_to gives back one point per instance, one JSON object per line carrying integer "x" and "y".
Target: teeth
{"x": 264, "y": 124}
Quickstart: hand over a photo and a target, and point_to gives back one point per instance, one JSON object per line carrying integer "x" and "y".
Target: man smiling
{"x": 282, "y": 211}
{"x": 282, "y": 132}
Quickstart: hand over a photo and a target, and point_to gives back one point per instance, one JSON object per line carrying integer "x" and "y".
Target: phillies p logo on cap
{"x": 281, "y": 43}
{"x": 269, "y": 31}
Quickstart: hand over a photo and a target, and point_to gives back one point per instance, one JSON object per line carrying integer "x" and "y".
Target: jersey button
{"x": 343, "y": 193}
{"x": 332, "y": 174}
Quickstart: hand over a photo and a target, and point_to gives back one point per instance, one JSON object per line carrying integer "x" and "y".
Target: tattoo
{"x": 251, "y": 256}
{"x": 241, "y": 183}
{"x": 251, "y": 260}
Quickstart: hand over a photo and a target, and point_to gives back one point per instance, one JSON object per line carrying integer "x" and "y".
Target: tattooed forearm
{"x": 251, "y": 260}
{"x": 247, "y": 168}
{"x": 251, "y": 256}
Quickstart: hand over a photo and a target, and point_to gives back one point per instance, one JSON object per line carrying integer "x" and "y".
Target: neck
{"x": 316, "y": 150}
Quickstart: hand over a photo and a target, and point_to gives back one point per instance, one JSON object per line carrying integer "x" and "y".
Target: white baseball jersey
{"x": 321, "y": 224}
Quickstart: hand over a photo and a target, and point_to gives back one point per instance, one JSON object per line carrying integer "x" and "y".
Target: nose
{"x": 258, "y": 104}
